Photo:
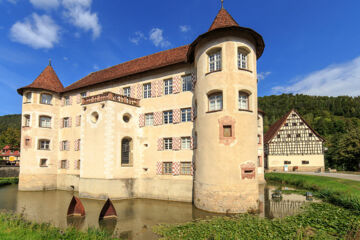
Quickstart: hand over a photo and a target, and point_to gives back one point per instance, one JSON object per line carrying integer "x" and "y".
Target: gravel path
{"x": 334, "y": 175}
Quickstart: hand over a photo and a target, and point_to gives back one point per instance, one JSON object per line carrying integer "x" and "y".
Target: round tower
{"x": 39, "y": 132}
{"x": 226, "y": 154}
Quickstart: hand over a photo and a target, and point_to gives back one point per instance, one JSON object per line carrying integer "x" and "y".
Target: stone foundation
{"x": 37, "y": 182}
{"x": 9, "y": 172}
{"x": 299, "y": 169}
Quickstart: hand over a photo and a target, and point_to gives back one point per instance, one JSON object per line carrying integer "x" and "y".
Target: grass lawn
{"x": 8, "y": 181}
{"x": 340, "y": 220}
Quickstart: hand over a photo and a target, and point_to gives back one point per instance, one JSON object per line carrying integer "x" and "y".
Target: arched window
{"x": 243, "y": 101}
{"x": 243, "y": 58}
{"x": 215, "y": 101}
{"x": 45, "y": 122}
{"x": 45, "y": 98}
{"x": 126, "y": 147}
{"x": 214, "y": 60}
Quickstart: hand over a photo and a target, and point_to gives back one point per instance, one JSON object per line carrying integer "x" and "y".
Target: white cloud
{"x": 96, "y": 67}
{"x": 65, "y": 58}
{"x": 263, "y": 75}
{"x": 80, "y": 15}
{"x": 184, "y": 28}
{"x": 12, "y": 1}
{"x": 138, "y": 36}
{"x": 156, "y": 36}
{"x": 45, "y": 4}
{"x": 334, "y": 80}
{"x": 36, "y": 31}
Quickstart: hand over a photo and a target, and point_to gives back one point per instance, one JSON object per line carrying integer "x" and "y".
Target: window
{"x": 305, "y": 162}
{"x": 186, "y": 115}
{"x": 45, "y": 98}
{"x": 43, "y": 162}
{"x": 149, "y": 119}
{"x": 125, "y": 151}
{"x": 168, "y": 117}
{"x": 78, "y": 164}
{"x": 286, "y": 124}
{"x": 185, "y": 168}
{"x": 289, "y": 136}
{"x": 45, "y": 122}
{"x": 287, "y": 162}
{"x": 310, "y": 134}
{"x": 83, "y": 94}
{"x": 259, "y": 161}
{"x": 259, "y": 138}
{"x": 147, "y": 90}
{"x": 65, "y": 145}
{"x": 167, "y": 167}
{"x": 77, "y": 145}
{"x": 126, "y": 91}
{"x": 67, "y": 100}
{"x": 215, "y": 61}
{"x": 167, "y": 143}
{"x": 63, "y": 164}
{"x": 185, "y": 142}
{"x": 66, "y": 122}
{"x": 301, "y": 123}
{"x": 227, "y": 130}
{"x": 294, "y": 115}
{"x": 298, "y": 135}
{"x": 243, "y": 101}
{"x": 242, "y": 59}
{"x": 215, "y": 102}
{"x": 294, "y": 124}
{"x": 27, "y": 120}
{"x": 44, "y": 144}
{"x": 187, "y": 83}
{"x": 278, "y": 136}
{"x": 168, "y": 86}
{"x": 28, "y": 97}
{"x": 27, "y": 142}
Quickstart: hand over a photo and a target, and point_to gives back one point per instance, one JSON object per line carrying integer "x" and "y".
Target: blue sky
{"x": 311, "y": 46}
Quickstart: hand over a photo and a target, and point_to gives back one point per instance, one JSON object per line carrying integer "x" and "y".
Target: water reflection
{"x": 135, "y": 217}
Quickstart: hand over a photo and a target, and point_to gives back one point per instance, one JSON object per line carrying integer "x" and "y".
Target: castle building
{"x": 292, "y": 145}
{"x": 180, "y": 124}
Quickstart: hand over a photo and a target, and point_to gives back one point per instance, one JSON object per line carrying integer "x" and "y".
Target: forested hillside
{"x": 10, "y": 126}
{"x": 337, "y": 119}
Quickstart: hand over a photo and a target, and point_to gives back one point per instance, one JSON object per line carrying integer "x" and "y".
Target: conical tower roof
{"x": 47, "y": 80}
{"x": 223, "y": 19}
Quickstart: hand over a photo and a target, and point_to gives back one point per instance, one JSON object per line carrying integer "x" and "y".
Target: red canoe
{"x": 76, "y": 208}
{"x": 108, "y": 211}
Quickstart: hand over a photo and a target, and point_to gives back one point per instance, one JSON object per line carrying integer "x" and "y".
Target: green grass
{"x": 8, "y": 181}
{"x": 316, "y": 221}
{"x": 341, "y": 192}
{"x": 14, "y": 227}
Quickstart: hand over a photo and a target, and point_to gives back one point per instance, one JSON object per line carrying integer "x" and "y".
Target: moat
{"x": 135, "y": 217}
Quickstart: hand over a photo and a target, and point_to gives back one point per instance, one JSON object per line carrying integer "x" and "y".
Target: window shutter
{"x": 78, "y": 98}
{"x": 160, "y": 146}
{"x": 61, "y": 146}
{"x": 70, "y": 121}
{"x": 70, "y": 100}
{"x": 176, "y": 116}
{"x": 160, "y": 87}
{"x": 176, "y": 143}
{"x": 192, "y": 168}
{"x": 159, "y": 168}
{"x": 142, "y": 120}
{"x": 132, "y": 91}
{"x": 67, "y": 164}
{"x": 158, "y": 118}
{"x": 61, "y": 123}
{"x": 192, "y": 114}
{"x": 78, "y": 120}
{"x": 139, "y": 91}
{"x": 177, "y": 84}
{"x": 193, "y": 77}
{"x": 153, "y": 89}
{"x": 176, "y": 168}
{"x": 191, "y": 143}
{"x": 62, "y": 101}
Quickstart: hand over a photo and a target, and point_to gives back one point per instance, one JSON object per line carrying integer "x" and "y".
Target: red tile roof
{"x": 47, "y": 80}
{"x": 273, "y": 130}
{"x": 223, "y": 19}
{"x": 139, "y": 65}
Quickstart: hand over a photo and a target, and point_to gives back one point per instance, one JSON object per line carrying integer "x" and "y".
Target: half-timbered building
{"x": 291, "y": 144}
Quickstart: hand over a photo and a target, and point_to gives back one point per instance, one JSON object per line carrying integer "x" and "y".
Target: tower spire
{"x": 49, "y": 61}
{"x": 222, "y": 4}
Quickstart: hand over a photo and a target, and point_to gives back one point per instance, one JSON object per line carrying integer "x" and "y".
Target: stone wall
{"x": 9, "y": 172}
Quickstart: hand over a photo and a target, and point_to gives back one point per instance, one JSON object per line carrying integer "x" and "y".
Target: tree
{"x": 10, "y": 137}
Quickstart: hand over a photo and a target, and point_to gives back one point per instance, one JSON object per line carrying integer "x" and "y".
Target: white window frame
{"x": 215, "y": 61}
{"x": 45, "y": 122}
{"x": 63, "y": 164}
{"x": 44, "y": 144}
{"x": 168, "y": 117}
{"x": 65, "y": 145}
{"x": 243, "y": 101}
{"x": 168, "y": 86}
{"x": 187, "y": 83}
{"x": 185, "y": 143}
{"x": 27, "y": 120}
{"x": 168, "y": 144}
{"x": 149, "y": 119}
{"x": 186, "y": 115}
{"x": 44, "y": 99}
{"x": 126, "y": 91}
{"x": 147, "y": 90}
{"x": 243, "y": 59}
{"x": 167, "y": 168}
{"x": 185, "y": 168}
{"x": 215, "y": 102}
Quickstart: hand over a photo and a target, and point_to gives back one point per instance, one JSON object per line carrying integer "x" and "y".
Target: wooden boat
{"x": 76, "y": 208}
{"x": 108, "y": 211}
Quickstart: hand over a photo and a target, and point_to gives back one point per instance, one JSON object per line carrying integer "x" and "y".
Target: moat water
{"x": 135, "y": 217}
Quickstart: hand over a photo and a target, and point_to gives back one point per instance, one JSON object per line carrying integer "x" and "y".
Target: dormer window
{"x": 243, "y": 58}
{"x": 215, "y": 61}
{"x": 28, "y": 97}
{"x": 45, "y": 98}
